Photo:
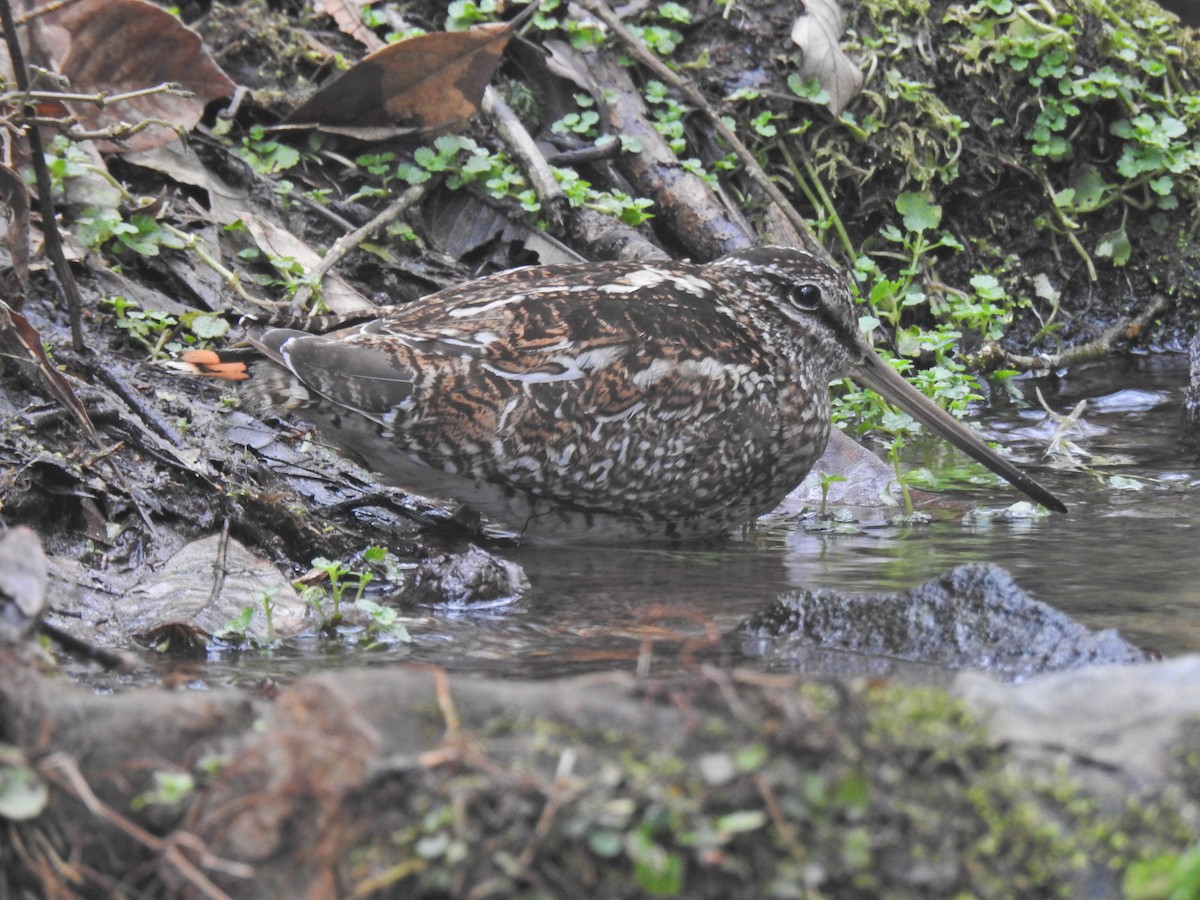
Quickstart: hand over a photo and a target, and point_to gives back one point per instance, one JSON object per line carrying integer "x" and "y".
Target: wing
{"x": 580, "y": 384}
{"x": 533, "y": 326}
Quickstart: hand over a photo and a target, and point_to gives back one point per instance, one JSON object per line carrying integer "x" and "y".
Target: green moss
{"x": 840, "y": 792}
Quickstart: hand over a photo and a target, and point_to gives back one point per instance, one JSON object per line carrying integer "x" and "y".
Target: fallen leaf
{"x": 21, "y": 345}
{"x": 816, "y": 33}
{"x": 347, "y": 15}
{"x": 15, "y": 196}
{"x": 179, "y": 162}
{"x": 430, "y": 84}
{"x": 116, "y": 46}
{"x": 337, "y": 293}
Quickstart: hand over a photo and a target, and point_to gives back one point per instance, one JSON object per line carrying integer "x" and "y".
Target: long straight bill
{"x": 876, "y": 374}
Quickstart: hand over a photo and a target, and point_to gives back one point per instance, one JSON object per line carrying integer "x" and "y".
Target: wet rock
{"x": 868, "y": 480}
{"x": 473, "y": 578}
{"x": 1191, "y": 400}
{"x": 206, "y": 584}
{"x": 1120, "y": 727}
{"x": 971, "y": 617}
{"x": 23, "y": 581}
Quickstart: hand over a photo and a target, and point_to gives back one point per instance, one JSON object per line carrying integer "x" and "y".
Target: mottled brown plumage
{"x": 611, "y": 401}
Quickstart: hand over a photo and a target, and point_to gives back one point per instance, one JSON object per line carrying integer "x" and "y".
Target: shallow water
{"x": 1126, "y": 556}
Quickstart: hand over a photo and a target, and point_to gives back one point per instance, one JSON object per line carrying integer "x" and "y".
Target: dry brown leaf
{"x": 116, "y": 46}
{"x": 21, "y": 345}
{"x": 429, "y": 84}
{"x": 348, "y": 16}
{"x": 337, "y": 293}
{"x": 14, "y": 197}
{"x": 816, "y": 33}
{"x": 180, "y": 163}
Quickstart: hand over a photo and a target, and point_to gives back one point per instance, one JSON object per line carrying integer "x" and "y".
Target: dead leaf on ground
{"x": 181, "y": 164}
{"x": 275, "y": 240}
{"x": 20, "y": 344}
{"x": 348, "y": 16}
{"x": 15, "y": 197}
{"x": 816, "y": 33}
{"x": 429, "y": 85}
{"x": 117, "y": 46}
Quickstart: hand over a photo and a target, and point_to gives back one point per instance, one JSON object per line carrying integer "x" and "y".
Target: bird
{"x": 599, "y": 402}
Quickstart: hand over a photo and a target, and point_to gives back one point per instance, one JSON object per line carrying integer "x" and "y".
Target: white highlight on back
{"x": 701, "y": 368}
{"x": 635, "y": 281}
{"x": 572, "y": 366}
{"x": 465, "y": 312}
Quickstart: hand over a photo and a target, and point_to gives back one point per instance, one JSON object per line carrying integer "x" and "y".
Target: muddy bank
{"x": 852, "y": 779}
{"x": 406, "y": 783}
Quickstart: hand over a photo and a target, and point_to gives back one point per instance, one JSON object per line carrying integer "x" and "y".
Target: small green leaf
{"x": 23, "y": 794}
{"x": 1115, "y": 246}
{"x": 239, "y": 623}
{"x": 738, "y": 822}
{"x": 919, "y": 211}
{"x": 1090, "y": 189}
{"x": 1162, "y": 186}
{"x": 205, "y": 326}
{"x": 605, "y": 843}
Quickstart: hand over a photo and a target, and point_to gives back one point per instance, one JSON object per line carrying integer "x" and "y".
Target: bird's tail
{"x": 270, "y": 386}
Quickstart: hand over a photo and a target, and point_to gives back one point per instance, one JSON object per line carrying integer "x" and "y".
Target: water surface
{"x": 1126, "y": 556}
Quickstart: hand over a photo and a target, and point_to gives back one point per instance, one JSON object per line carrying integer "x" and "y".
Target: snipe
{"x": 616, "y": 401}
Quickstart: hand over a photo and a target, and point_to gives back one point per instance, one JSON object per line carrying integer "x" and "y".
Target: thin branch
{"x": 231, "y": 278}
{"x": 122, "y": 130}
{"x": 693, "y": 96}
{"x": 54, "y": 247}
{"x": 1126, "y": 329}
{"x": 100, "y": 98}
{"x": 63, "y": 771}
{"x": 346, "y": 243}
{"x": 522, "y": 145}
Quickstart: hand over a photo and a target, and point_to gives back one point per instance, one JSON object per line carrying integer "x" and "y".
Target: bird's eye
{"x": 806, "y": 296}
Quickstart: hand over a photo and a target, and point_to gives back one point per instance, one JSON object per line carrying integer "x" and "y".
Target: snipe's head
{"x": 797, "y": 292}
{"x": 815, "y": 300}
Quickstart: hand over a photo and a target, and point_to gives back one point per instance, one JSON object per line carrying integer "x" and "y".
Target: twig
{"x": 698, "y": 100}
{"x": 50, "y": 7}
{"x": 445, "y": 701}
{"x": 514, "y": 134}
{"x": 63, "y": 771}
{"x": 787, "y": 833}
{"x": 220, "y": 565}
{"x": 100, "y": 98}
{"x": 109, "y": 659}
{"x": 566, "y": 765}
{"x": 232, "y": 280}
{"x": 37, "y": 152}
{"x": 123, "y": 130}
{"x": 348, "y": 242}
{"x": 1101, "y": 346}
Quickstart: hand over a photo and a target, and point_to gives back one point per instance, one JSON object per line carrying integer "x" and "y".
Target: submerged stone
{"x": 974, "y": 616}
{"x": 1191, "y": 400}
